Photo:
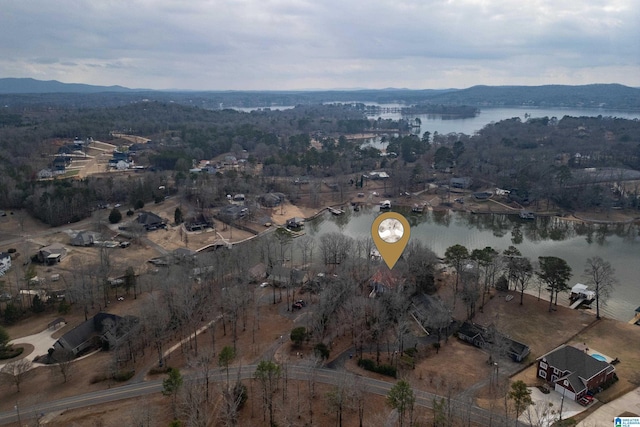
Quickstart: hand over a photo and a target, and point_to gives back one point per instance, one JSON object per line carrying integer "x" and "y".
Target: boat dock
{"x": 335, "y": 211}
{"x": 577, "y": 303}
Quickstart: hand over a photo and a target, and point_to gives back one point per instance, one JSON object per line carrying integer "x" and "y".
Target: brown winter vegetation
{"x": 451, "y": 370}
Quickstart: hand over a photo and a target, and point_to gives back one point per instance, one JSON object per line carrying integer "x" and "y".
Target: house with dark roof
{"x": 118, "y": 156}
{"x": 295, "y": 223}
{"x": 103, "y": 328}
{"x": 462, "y": 182}
{"x": 65, "y": 149}
{"x": 60, "y": 163}
{"x": 232, "y": 212}
{"x": 573, "y": 372}
{"x": 184, "y": 255}
{"x": 199, "y": 222}
{"x": 271, "y": 200}
{"x": 150, "y": 221}
{"x": 483, "y": 337}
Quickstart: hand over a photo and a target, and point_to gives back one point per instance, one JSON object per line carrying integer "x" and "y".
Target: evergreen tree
{"x": 115, "y": 216}
{"x": 402, "y": 399}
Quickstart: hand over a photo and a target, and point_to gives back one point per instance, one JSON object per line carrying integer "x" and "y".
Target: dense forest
{"x": 541, "y": 160}
{"x": 17, "y": 93}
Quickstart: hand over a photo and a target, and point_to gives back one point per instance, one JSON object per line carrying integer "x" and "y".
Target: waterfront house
{"x": 573, "y": 372}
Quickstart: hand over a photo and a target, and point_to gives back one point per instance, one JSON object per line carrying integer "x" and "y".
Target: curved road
{"x": 296, "y": 372}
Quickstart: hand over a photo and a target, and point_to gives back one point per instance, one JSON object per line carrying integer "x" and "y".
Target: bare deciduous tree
{"x": 17, "y": 371}
{"x": 268, "y": 375}
{"x": 335, "y": 248}
{"x": 63, "y": 360}
{"x": 339, "y": 397}
{"x": 601, "y": 275}
{"x": 193, "y": 408}
{"x": 522, "y": 273}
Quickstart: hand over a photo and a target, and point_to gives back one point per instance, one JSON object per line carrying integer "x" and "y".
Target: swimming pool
{"x": 599, "y": 357}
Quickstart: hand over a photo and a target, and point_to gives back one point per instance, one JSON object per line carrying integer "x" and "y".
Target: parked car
{"x": 296, "y": 306}
{"x": 584, "y": 401}
{"x": 264, "y": 284}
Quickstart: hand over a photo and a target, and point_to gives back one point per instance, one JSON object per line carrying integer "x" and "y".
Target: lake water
{"x": 435, "y": 123}
{"x": 574, "y": 242}
{"x": 544, "y": 236}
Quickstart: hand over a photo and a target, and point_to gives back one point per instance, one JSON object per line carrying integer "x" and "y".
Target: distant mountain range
{"x": 22, "y": 91}
{"x": 28, "y": 85}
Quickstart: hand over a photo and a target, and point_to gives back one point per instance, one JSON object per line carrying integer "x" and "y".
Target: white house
{"x": 5, "y": 263}
{"x": 45, "y": 174}
{"x": 122, "y": 165}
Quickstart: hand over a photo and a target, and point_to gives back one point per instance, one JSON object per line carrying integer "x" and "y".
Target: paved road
{"x": 295, "y": 372}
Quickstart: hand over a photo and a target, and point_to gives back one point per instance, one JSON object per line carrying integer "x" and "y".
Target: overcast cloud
{"x": 321, "y": 44}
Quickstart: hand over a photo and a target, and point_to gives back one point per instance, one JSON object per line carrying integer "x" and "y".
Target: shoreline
{"x": 573, "y": 217}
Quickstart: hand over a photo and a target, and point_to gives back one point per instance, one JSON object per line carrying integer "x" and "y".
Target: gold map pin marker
{"x": 390, "y": 232}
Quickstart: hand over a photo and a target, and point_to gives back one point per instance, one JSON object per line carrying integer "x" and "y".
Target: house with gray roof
{"x": 85, "y": 238}
{"x": 271, "y": 200}
{"x": 573, "y": 372}
{"x": 103, "y": 328}
{"x": 52, "y": 254}
{"x": 460, "y": 182}
{"x": 150, "y": 221}
{"x": 284, "y": 276}
{"x": 483, "y": 337}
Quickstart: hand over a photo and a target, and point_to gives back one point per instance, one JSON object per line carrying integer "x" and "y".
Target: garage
{"x": 567, "y": 394}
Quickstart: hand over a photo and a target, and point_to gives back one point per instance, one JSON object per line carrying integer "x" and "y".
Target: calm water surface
{"x": 574, "y": 242}
{"x": 544, "y": 236}
{"x": 469, "y": 126}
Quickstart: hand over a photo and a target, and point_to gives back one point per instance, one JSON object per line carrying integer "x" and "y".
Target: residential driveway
{"x": 604, "y": 416}
{"x": 41, "y": 342}
{"x": 546, "y": 408}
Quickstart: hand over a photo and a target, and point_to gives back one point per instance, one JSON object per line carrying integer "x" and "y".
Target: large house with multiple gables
{"x": 573, "y": 372}
{"x": 101, "y": 329}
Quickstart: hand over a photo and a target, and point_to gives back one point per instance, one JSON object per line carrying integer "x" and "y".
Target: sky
{"x": 321, "y": 44}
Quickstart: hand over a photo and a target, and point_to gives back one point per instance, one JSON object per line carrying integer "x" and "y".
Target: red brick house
{"x": 573, "y": 372}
